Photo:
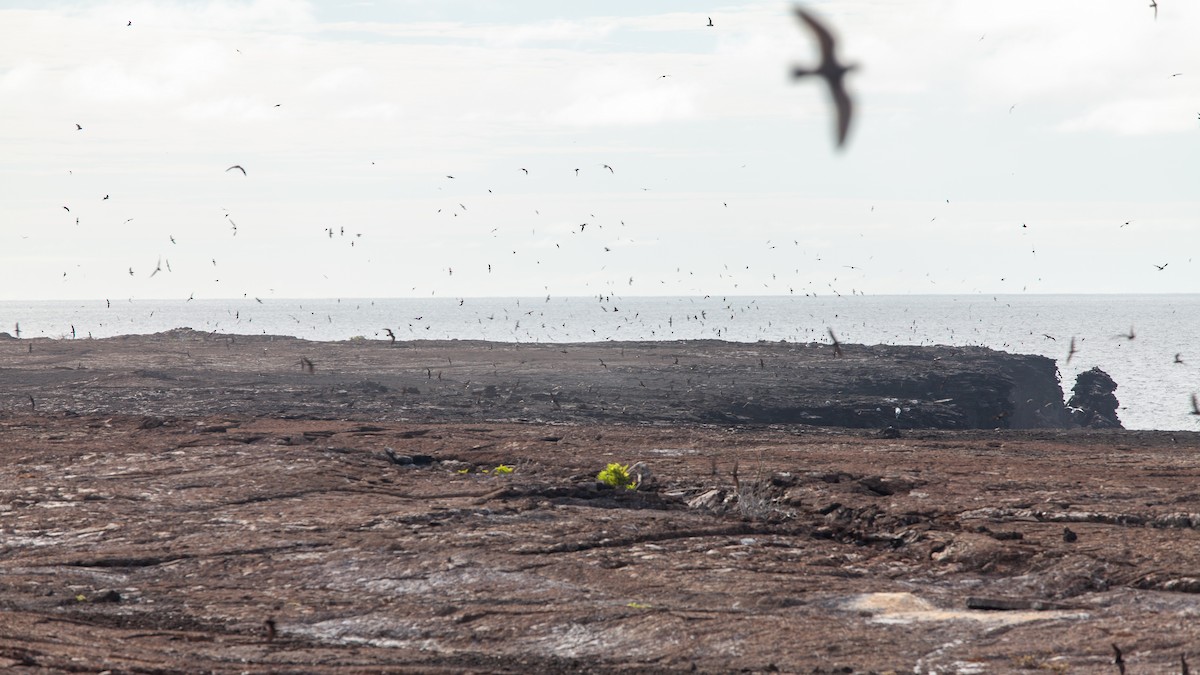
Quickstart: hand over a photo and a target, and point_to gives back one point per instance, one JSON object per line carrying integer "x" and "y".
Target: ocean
{"x": 1153, "y": 389}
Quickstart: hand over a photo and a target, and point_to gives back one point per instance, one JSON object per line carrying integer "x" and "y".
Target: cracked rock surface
{"x": 239, "y": 539}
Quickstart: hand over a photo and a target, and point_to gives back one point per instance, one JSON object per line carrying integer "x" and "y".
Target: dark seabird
{"x": 390, "y": 334}
{"x": 710, "y": 23}
{"x": 1130, "y": 335}
{"x": 1195, "y": 405}
{"x": 1069, "y": 535}
{"x": 306, "y": 364}
{"x": 1118, "y": 659}
{"x": 1179, "y": 357}
{"x": 1154, "y": 5}
{"x": 831, "y": 70}
{"x": 610, "y": 169}
{"x": 238, "y": 167}
{"x": 1161, "y": 267}
{"x": 577, "y": 173}
{"x": 78, "y": 127}
{"x": 1072, "y": 351}
{"x": 526, "y": 171}
{"x": 837, "y": 346}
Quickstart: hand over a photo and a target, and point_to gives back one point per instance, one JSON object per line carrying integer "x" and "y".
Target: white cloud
{"x": 1135, "y": 117}
{"x": 621, "y": 96}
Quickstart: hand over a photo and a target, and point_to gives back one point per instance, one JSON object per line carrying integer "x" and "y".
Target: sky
{"x": 461, "y": 148}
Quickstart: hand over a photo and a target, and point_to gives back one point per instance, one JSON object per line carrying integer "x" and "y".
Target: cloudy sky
{"x": 997, "y": 148}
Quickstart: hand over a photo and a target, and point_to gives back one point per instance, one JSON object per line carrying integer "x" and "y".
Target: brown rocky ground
{"x": 158, "y": 508}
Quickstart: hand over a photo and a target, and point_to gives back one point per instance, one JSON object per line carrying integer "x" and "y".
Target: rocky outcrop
{"x": 187, "y": 373}
{"x": 1093, "y": 403}
{"x": 939, "y": 387}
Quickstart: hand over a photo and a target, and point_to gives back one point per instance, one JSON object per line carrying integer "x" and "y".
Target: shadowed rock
{"x": 1093, "y": 403}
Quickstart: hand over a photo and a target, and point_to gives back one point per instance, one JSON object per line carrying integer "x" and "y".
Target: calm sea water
{"x": 1154, "y": 390}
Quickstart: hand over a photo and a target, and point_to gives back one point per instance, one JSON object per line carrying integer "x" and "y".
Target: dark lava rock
{"x": 654, "y": 382}
{"x": 1093, "y": 403}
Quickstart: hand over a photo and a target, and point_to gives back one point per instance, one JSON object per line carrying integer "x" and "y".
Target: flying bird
{"x": 157, "y": 268}
{"x": 78, "y": 127}
{"x": 710, "y": 23}
{"x": 610, "y": 169}
{"x": 1072, "y": 351}
{"x": 238, "y": 167}
{"x": 1195, "y": 405}
{"x": 1154, "y": 5}
{"x": 1179, "y": 358}
{"x": 1161, "y": 267}
{"x": 390, "y": 334}
{"x": 1130, "y": 335}
{"x": 837, "y": 346}
{"x": 831, "y": 70}
{"x": 526, "y": 171}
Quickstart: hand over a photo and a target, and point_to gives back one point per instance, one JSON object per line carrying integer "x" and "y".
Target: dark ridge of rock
{"x": 934, "y": 387}
{"x": 184, "y": 372}
{"x": 1093, "y": 403}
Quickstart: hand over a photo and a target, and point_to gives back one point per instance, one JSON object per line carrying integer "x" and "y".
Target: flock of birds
{"x": 828, "y": 69}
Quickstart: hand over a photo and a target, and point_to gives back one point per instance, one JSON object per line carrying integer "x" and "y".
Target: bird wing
{"x": 844, "y": 109}
{"x": 824, "y": 37}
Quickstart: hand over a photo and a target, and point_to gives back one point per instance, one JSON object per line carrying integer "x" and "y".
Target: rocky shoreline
{"x": 186, "y": 372}
{"x": 186, "y": 502}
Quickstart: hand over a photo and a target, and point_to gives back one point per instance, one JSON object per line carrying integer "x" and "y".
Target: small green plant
{"x": 616, "y": 475}
{"x": 502, "y": 469}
